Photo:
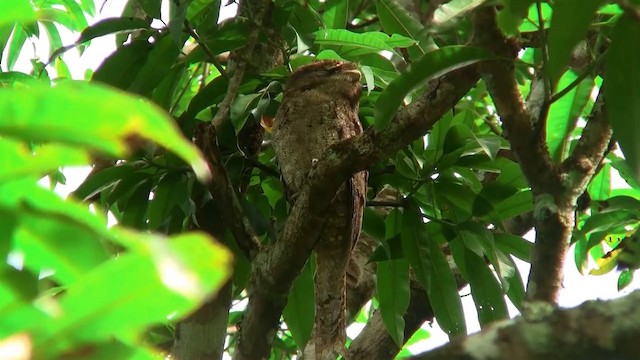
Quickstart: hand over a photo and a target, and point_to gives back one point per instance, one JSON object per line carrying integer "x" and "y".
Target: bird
{"x": 320, "y": 108}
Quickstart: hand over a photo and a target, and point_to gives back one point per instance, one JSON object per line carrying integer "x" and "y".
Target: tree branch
{"x": 273, "y": 271}
{"x": 555, "y": 188}
{"x": 225, "y": 193}
{"x": 593, "y": 330}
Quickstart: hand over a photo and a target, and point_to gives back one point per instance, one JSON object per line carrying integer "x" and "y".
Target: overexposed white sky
{"x": 577, "y": 287}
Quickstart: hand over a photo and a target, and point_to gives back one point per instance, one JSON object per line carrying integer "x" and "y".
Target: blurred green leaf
{"x": 112, "y": 122}
{"x": 137, "y": 289}
{"x": 73, "y": 250}
{"x": 17, "y": 11}
{"x": 19, "y": 161}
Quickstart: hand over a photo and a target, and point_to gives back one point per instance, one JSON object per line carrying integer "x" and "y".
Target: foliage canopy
{"x": 491, "y": 167}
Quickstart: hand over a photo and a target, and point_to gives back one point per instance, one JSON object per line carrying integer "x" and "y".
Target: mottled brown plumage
{"x": 320, "y": 108}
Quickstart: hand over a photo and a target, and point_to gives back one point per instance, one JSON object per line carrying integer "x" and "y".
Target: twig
{"x": 240, "y": 68}
{"x": 590, "y": 70}
{"x": 210, "y": 55}
{"x": 257, "y": 164}
{"x": 186, "y": 86}
{"x": 396, "y": 204}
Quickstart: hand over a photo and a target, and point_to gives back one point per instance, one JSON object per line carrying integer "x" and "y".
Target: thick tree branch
{"x": 591, "y": 147}
{"x": 555, "y": 188}
{"x": 274, "y": 271}
{"x": 532, "y": 154}
{"x": 225, "y": 193}
{"x": 553, "y": 214}
{"x": 593, "y": 330}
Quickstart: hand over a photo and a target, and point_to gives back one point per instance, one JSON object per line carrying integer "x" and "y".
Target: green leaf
{"x": 61, "y": 17}
{"x": 17, "y": 11}
{"x": 134, "y": 207}
{"x": 443, "y": 294}
{"x": 606, "y": 221}
{"x": 160, "y": 60}
{"x": 474, "y": 236}
{"x": 514, "y": 245}
{"x": 73, "y": 250}
{"x": 88, "y": 6}
{"x": 101, "y": 180}
{"x": 373, "y": 224}
{"x": 336, "y": 14}
{"x": 485, "y": 290}
{"x": 393, "y": 295}
{"x": 518, "y": 204}
{"x": 76, "y": 14}
{"x": 171, "y": 190}
{"x": 511, "y": 15}
{"x": 111, "y": 26}
{"x": 301, "y": 306}
{"x": 121, "y": 68}
{"x": 18, "y": 38}
{"x": 600, "y": 186}
{"x": 569, "y": 24}
{"x": 18, "y": 160}
{"x": 395, "y": 19}
{"x": 514, "y": 284}
{"x": 110, "y": 121}
{"x": 415, "y": 241}
{"x": 177, "y": 22}
{"x": 449, "y": 14}
{"x": 159, "y": 278}
{"x": 623, "y": 89}
{"x": 355, "y": 43}
{"x": 151, "y": 7}
{"x": 429, "y": 66}
{"x": 624, "y": 279}
{"x": 564, "y": 113}
{"x": 241, "y": 108}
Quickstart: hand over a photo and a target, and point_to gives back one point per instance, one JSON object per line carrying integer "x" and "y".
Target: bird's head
{"x": 336, "y": 78}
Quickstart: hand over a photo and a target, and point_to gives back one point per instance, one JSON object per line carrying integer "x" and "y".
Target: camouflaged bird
{"x": 319, "y": 109}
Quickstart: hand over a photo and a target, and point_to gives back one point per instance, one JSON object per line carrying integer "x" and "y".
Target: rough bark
{"x": 274, "y": 270}
{"x": 593, "y": 330}
{"x": 556, "y": 187}
{"x": 202, "y": 335}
